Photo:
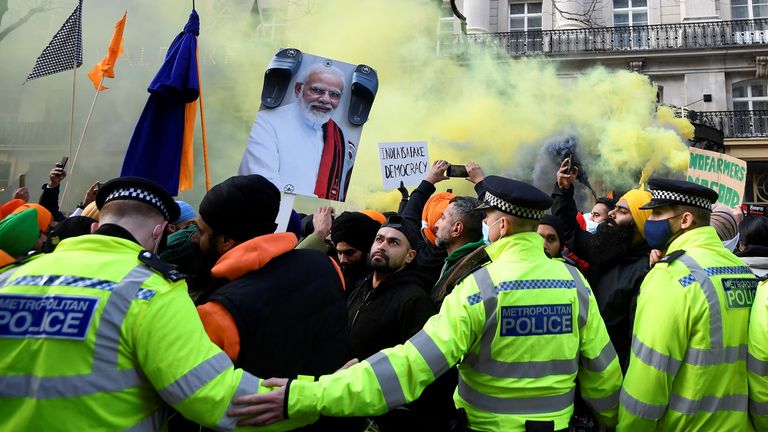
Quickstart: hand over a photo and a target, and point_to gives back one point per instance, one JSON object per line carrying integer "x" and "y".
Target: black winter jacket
{"x": 615, "y": 284}
{"x": 389, "y": 314}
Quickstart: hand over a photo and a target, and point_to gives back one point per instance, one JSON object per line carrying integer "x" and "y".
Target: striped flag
{"x": 65, "y": 51}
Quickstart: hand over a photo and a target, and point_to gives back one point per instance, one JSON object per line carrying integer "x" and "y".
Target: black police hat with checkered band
{"x": 515, "y": 198}
{"x": 679, "y": 192}
{"x": 138, "y": 189}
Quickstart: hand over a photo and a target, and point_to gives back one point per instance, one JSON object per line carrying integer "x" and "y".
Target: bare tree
{"x": 37, "y": 7}
{"x": 586, "y": 16}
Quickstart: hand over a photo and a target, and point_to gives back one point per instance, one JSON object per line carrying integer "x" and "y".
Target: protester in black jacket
{"x": 391, "y": 306}
{"x": 429, "y": 258}
{"x": 275, "y": 310}
{"x": 617, "y": 254}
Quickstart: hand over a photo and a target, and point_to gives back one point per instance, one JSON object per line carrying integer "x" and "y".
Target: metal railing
{"x": 712, "y": 34}
{"x": 735, "y": 124}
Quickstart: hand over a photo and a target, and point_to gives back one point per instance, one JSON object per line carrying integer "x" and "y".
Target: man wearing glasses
{"x": 298, "y": 146}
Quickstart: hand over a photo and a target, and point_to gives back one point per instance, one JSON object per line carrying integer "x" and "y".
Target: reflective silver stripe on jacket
{"x": 758, "y": 408}
{"x": 249, "y": 385}
{"x": 653, "y": 358}
{"x": 430, "y": 352}
{"x": 603, "y": 404}
{"x": 717, "y": 353}
{"x": 756, "y": 366}
{"x": 150, "y": 423}
{"x": 602, "y": 361}
{"x": 483, "y": 362}
{"x": 388, "y": 380}
{"x": 708, "y": 404}
{"x": 582, "y": 292}
{"x": 195, "y": 379}
{"x": 105, "y": 376}
{"x": 639, "y": 408}
{"x": 5, "y": 275}
{"x": 531, "y": 405}
{"x": 715, "y": 314}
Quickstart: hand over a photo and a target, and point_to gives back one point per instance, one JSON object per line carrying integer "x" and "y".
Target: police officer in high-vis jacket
{"x": 688, "y": 368}
{"x": 101, "y": 334}
{"x": 757, "y": 358}
{"x": 523, "y": 328}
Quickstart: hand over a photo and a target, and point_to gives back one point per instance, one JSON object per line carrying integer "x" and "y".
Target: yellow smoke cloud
{"x": 468, "y": 102}
{"x": 479, "y": 104}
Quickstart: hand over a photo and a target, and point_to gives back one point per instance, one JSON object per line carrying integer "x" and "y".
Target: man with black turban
{"x": 352, "y": 234}
{"x": 275, "y": 310}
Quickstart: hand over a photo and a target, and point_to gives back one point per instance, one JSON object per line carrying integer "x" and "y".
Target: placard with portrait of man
{"x": 307, "y": 145}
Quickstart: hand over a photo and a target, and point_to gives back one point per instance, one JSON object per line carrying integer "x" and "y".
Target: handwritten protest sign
{"x": 403, "y": 161}
{"x": 725, "y": 174}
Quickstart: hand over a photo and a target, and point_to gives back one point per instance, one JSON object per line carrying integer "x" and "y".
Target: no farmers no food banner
{"x": 725, "y": 174}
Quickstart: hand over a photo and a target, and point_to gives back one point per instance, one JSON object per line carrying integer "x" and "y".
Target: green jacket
{"x": 525, "y": 329}
{"x": 91, "y": 338}
{"x": 688, "y": 370}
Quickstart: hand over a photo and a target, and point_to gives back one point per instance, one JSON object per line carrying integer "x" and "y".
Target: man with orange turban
{"x": 617, "y": 253}
{"x": 424, "y": 209}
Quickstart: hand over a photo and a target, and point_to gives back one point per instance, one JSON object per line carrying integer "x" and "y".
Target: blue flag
{"x": 155, "y": 148}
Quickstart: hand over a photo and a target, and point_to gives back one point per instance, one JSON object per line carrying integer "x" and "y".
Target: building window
{"x": 525, "y": 26}
{"x": 525, "y": 17}
{"x": 749, "y": 9}
{"x": 629, "y": 20}
{"x": 628, "y": 13}
{"x": 750, "y": 95}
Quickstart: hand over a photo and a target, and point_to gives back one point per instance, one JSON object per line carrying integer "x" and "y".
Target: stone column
{"x": 478, "y": 13}
{"x": 569, "y": 8}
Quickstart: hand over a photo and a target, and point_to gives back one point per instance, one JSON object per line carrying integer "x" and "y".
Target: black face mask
{"x": 163, "y": 244}
{"x": 610, "y": 242}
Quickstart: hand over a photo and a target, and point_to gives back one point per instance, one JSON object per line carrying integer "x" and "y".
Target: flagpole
{"x": 72, "y": 111}
{"x": 82, "y": 138}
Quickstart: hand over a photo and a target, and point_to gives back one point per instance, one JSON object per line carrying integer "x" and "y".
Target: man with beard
{"x": 617, "y": 253}
{"x": 390, "y": 306}
{"x": 460, "y": 233}
{"x": 352, "y": 234}
{"x": 273, "y": 309}
{"x": 298, "y": 147}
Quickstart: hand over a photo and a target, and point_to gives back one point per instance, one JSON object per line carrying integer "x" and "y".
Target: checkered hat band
{"x": 506, "y": 207}
{"x": 139, "y": 195}
{"x": 677, "y": 196}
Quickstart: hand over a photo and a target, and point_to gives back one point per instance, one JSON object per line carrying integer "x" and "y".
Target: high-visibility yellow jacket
{"x": 688, "y": 369}
{"x": 525, "y": 329}
{"x": 757, "y": 359}
{"x": 91, "y": 338}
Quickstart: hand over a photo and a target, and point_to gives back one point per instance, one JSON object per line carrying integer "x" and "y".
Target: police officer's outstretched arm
{"x": 189, "y": 372}
{"x": 389, "y": 378}
{"x": 659, "y": 342}
{"x": 599, "y": 370}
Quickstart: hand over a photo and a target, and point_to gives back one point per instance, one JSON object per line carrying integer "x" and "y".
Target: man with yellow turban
{"x": 617, "y": 254}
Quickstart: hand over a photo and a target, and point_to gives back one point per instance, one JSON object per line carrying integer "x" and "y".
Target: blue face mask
{"x": 487, "y": 231}
{"x": 658, "y": 233}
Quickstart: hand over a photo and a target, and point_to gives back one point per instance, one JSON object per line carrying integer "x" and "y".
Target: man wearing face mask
{"x": 103, "y": 328}
{"x": 617, "y": 254}
{"x": 522, "y": 328}
{"x": 689, "y": 359}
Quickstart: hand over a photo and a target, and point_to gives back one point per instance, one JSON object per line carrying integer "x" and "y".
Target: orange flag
{"x": 106, "y": 67}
